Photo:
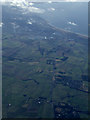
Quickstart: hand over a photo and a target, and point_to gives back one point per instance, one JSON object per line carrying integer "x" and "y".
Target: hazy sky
{"x": 47, "y": 0}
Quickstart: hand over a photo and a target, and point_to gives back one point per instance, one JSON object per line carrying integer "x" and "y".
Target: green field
{"x": 40, "y": 75}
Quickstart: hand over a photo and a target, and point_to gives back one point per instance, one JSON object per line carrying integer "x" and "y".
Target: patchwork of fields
{"x": 45, "y": 70}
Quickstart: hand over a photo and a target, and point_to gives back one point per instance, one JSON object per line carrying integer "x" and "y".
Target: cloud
{"x": 36, "y": 10}
{"x": 51, "y": 9}
{"x": 49, "y": 1}
{"x": 71, "y": 0}
{"x": 1, "y": 24}
{"x": 29, "y": 22}
{"x": 31, "y": 3}
{"x": 72, "y": 23}
{"x": 26, "y": 5}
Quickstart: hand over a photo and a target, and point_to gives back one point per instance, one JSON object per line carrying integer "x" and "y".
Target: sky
{"x": 46, "y": 0}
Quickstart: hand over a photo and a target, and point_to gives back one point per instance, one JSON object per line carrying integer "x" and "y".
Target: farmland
{"x": 45, "y": 69}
